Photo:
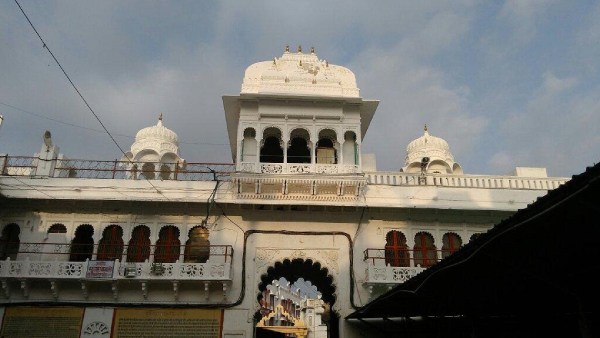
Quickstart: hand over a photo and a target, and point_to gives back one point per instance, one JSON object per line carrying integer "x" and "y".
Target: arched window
{"x": 148, "y": 171}
{"x": 82, "y": 246}
{"x": 271, "y": 151}
{"x": 57, "y": 229}
{"x": 9, "y": 241}
{"x": 451, "y": 242}
{"x": 396, "y": 250}
{"x": 111, "y": 244}
{"x": 326, "y": 153}
{"x": 165, "y": 171}
{"x": 425, "y": 250}
{"x": 197, "y": 248}
{"x": 138, "y": 249}
{"x": 167, "y": 246}
{"x": 298, "y": 150}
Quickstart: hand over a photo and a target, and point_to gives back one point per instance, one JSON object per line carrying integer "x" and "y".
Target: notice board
{"x": 167, "y": 323}
{"x": 38, "y": 322}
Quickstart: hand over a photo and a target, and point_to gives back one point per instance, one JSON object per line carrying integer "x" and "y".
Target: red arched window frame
{"x": 424, "y": 250}
{"x": 451, "y": 243}
{"x": 168, "y": 245}
{"x": 396, "y": 250}
{"x": 110, "y": 246}
{"x": 138, "y": 249}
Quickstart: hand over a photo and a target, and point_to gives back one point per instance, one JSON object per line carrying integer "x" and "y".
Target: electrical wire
{"x": 97, "y": 130}
{"x": 32, "y": 187}
{"x": 45, "y": 46}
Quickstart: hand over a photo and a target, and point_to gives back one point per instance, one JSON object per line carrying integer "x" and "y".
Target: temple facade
{"x": 146, "y": 243}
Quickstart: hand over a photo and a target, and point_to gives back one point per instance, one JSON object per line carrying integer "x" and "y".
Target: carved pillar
{"x": 313, "y": 154}
{"x": 341, "y": 156}
{"x": 285, "y": 150}
{"x": 184, "y": 234}
{"x": 410, "y": 242}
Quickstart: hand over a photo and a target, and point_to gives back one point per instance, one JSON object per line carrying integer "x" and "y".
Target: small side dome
{"x": 436, "y": 149}
{"x": 157, "y": 148}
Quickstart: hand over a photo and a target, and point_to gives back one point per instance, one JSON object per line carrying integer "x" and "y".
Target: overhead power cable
{"x": 81, "y": 96}
{"x": 97, "y": 130}
{"x": 32, "y": 187}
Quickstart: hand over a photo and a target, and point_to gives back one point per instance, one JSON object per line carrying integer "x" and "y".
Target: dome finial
{"x": 425, "y": 128}
{"x": 312, "y": 49}
{"x": 299, "y": 48}
{"x": 160, "y": 117}
{"x": 287, "y": 48}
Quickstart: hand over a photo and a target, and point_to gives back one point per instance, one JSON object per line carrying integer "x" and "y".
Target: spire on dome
{"x": 425, "y": 129}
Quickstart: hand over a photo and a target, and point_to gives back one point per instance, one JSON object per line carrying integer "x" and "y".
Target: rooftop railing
{"x": 464, "y": 181}
{"x": 95, "y": 169}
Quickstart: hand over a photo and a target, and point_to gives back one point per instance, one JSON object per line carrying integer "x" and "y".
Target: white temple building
{"x": 144, "y": 244}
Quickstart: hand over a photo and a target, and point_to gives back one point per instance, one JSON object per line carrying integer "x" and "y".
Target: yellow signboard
{"x": 38, "y": 322}
{"x": 162, "y": 323}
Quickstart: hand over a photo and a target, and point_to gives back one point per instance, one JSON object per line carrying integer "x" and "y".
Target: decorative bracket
{"x": 176, "y": 290}
{"x": 206, "y": 291}
{"x": 54, "y": 289}
{"x": 115, "y": 290}
{"x": 85, "y": 289}
{"x": 145, "y": 289}
{"x": 6, "y": 288}
{"x": 25, "y": 288}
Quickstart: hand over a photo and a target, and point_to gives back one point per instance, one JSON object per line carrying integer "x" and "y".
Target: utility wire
{"x": 32, "y": 187}
{"x": 80, "y": 95}
{"x": 97, "y": 130}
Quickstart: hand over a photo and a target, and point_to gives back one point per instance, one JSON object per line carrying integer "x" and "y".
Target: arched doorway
{"x": 9, "y": 241}
{"x": 82, "y": 246}
{"x": 292, "y": 270}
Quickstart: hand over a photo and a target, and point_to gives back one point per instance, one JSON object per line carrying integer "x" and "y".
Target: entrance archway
{"x": 311, "y": 271}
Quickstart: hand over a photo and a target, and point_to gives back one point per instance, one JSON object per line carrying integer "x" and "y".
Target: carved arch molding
{"x": 327, "y": 259}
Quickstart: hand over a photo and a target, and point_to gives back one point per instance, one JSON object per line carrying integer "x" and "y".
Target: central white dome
{"x": 299, "y": 73}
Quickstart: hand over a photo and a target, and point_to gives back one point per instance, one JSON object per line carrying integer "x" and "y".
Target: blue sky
{"x": 506, "y": 83}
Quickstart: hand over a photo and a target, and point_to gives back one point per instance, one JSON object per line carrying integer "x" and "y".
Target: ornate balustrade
{"x": 120, "y": 270}
{"x": 464, "y": 181}
{"x": 390, "y": 274}
{"x": 298, "y": 168}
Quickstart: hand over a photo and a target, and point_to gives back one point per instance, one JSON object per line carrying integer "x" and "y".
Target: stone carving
{"x": 299, "y": 168}
{"x": 217, "y": 271}
{"x": 15, "y": 269}
{"x": 247, "y": 167}
{"x": 327, "y": 168}
{"x": 191, "y": 270}
{"x": 40, "y": 269}
{"x": 331, "y": 259}
{"x": 95, "y": 329}
{"x": 264, "y": 257}
{"x": 70, "y": 269}
{"x": 272, "y": 168}
{"x": 379, "y": 273}
{"x": 267, "y": 257}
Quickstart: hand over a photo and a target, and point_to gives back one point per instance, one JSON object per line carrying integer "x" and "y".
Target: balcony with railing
{"x": 297, "y": 168}
{"x": 394, "y": 266}
{"x": 26, "y": 263}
